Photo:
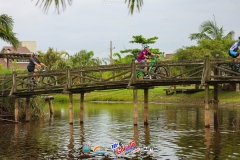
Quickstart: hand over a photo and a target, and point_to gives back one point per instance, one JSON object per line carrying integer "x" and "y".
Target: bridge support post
{"x": 70, "y": 109}
{"x": 28, "y": 109}
{"x": 16, "y": 109}
{"x": 207, "y": 107}
{"x": 135, "y": 108}
{"x": 215, "y": 104}
{"x": 81, "y": 107}
{"x": 145, "y": 106}
{"x": 49, "y": 100}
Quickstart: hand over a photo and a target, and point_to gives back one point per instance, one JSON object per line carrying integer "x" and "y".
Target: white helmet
{"x": 35, "y": 54}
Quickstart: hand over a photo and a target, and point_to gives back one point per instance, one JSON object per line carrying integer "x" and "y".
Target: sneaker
{"x": 238, "y": 67}
{"x": 146, "y": 76}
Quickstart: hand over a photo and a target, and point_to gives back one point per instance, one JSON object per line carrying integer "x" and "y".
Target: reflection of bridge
{"x": 122, "y": 76}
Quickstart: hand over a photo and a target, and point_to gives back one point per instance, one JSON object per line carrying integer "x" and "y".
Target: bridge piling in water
{"x": 206, "y": 78}
{"x": 28, "y": 114}
{"x": 16, "y": 110}
{"x": 146, "y": 106}
{"x": 81, "y": 107}
{"x": 70, "y": 109}
{"x": 135, "y": 108}
{"x": 49, "y": 100}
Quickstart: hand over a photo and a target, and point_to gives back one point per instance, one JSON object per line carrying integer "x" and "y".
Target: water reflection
{"x": 177, "y": 131}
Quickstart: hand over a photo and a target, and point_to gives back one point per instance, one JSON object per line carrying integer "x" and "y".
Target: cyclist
{"x": 233, "y": 51}
{"x": 142, "y": 57}
{"x": 34, "y": 64}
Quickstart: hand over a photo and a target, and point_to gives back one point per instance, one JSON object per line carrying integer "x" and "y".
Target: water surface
{"x": 176, "y": 130}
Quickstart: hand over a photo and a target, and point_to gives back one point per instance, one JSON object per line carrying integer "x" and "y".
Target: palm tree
{"x": 210, "y": 30}
{"x": 6, "y": 33}
{"x": 132, "y": 4}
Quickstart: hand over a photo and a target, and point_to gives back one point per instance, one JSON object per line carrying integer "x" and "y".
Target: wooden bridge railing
{"x": 86, "y": 79}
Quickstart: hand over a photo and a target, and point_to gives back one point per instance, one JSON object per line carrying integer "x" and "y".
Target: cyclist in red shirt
{"x": 142, "y": 57}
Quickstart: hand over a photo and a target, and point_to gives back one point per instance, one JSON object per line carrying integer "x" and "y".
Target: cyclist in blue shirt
{"x": 233, "y": 52}
{"x": 234, "y": 48}
{"x": 34, "y": 64}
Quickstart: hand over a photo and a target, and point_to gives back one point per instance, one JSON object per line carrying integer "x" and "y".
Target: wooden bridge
{"x": 121, "y": 76}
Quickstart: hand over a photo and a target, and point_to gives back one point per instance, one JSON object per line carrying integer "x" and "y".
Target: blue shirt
{"x": 235, "y": 46}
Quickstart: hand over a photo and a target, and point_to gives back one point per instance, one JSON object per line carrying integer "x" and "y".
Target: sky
{"x": 91, "y": 24}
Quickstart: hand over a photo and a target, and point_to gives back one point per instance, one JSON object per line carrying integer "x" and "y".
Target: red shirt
{"x": 141, "y": 55}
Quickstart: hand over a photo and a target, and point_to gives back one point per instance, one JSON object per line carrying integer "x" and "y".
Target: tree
{"x": 210, "y": 30}
{"x": 141, "y": 40}
{"x": 54, "y": 59}
{"x": 6, "y": 33}
{"x": 84, "y": 59}
{"x": 45, "y": 4}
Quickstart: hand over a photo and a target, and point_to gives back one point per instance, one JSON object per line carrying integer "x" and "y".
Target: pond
{"x": 174, "y": 132}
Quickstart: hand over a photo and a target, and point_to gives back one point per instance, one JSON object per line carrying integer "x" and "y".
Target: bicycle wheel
{"x": 76, "y": 81}
{"x": 28, "y": 84}
{"x": 160, "y": 72}
{"x": 49, "y": 81}
{"x": 225, "y": 68}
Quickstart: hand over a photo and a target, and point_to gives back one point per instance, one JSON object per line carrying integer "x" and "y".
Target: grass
{"x": 155, "y": 95}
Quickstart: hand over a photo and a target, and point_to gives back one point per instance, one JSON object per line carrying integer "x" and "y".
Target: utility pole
{"x": 111, "y": 61}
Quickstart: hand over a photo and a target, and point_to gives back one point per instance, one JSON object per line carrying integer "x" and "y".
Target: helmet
{"x": 34, "y": 54}
{"x": 146, "y": 45}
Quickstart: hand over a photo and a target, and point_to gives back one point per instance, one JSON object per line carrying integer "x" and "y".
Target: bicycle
{"x": 228, "y": 69}
{"x": 153, "y": 71}
{"x": 44, "y": 80}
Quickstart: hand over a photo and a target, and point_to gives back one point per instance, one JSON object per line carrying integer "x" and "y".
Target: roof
{"x": 10, "y": 49}
{"x": 169, "y": 55}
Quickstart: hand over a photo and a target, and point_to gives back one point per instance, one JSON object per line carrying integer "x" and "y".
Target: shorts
{"x": 233, "y": 53}
{"x": 30, "y": 69}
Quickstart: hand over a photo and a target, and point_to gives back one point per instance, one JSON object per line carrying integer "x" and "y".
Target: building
{"x": 169, "y": 55}
{"x": 8, "y": 54}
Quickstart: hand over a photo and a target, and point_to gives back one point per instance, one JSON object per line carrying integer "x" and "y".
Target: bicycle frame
{"x": 45, "y": 80}
{"x": 157, "y": 73}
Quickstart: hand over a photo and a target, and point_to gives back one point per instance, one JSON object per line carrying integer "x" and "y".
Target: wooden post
{"x": 8, "y": 63}
{"x": 135, "y": 109}
{"x": 207, "y": 97}
{"x": 16, "y": 107}
{"x": 134, "y": 73}
{"x": 215, "y": 97}
{"x": 136, "y": 135}
{"x": 215, "y": 115}
{"x": 147, "y": 135}
{"x": 28, "y": 109}
{"x": 81, "y": 107}
{"x": 145, "y": 106}
{"x": 49, "y": 100}
{"x": 207, "y": 107}
{"x": 68, "y": 78}
{"x": 70, "y": 109}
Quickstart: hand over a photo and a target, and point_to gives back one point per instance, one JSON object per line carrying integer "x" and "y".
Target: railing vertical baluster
{"x": 68, "y": 76}
{"x": 134, "y": 73}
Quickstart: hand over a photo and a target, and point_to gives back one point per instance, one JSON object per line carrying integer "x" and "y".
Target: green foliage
{"x": 6, "y": 30}
{"x": 5, "y": 70}
{"x": 45, "y": 4}
{"x": 83, "y": 59}
{"x": 141, "y": 40}
{"x": 210, "y": 30}
{"x": 54, "y": 59}
{"x": 15, "y": 66}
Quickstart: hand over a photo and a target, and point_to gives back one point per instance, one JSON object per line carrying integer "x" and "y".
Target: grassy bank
{"x": 155, "y": 95}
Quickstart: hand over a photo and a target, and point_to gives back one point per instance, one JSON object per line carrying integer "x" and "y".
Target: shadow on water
{"x": 174, "y": 132}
